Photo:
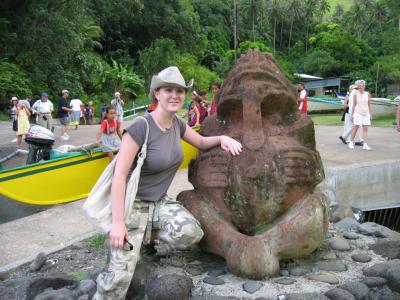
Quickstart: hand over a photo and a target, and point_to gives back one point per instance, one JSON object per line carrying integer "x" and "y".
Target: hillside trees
{"x": 341, "y": 48}
{"x": 86, "y": 45}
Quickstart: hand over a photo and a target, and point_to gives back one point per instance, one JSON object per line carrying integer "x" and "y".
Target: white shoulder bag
{"x": 98, "y": 207}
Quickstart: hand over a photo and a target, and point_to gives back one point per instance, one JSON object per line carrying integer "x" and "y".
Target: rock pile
{"x": 357, "y": 261}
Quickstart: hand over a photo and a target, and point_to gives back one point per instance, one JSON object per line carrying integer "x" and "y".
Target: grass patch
{"x": 335, "y": 120}
{"x": 78, "y": 275}
{"x": 4, "y": 116}
{"x": 329, "y": 119}
{"x": 386, "y": 121}
{"x": 96, "y": 242}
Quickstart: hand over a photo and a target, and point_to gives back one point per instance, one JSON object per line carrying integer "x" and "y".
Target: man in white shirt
{"x": 75, "y": 105}
{"x": 43, "y": 108}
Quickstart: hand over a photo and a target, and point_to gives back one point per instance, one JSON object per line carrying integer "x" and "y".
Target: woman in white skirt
{"x": 361, "y": 113}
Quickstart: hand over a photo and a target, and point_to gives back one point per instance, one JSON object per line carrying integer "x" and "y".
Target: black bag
{"x": 15, "y": 125}
{"x": 345, "y": 111}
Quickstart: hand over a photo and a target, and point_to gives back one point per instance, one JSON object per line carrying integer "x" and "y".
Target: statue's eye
{"x": 272, "y": 103}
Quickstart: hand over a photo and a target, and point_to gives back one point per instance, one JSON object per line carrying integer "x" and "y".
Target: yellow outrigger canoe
{"x": 62, "y": 179}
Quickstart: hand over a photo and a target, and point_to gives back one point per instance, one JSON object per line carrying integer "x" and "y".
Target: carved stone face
{"x": 278, "y": 165}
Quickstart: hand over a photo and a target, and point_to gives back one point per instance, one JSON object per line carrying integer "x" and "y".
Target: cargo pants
{"x": 176, "y": 229}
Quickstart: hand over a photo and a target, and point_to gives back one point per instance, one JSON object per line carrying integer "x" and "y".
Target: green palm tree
{"x": 274, "y": 10}
{"x": 357, "y": 18}
{"x": 380, "y": 12}
{"x": 251, "y": 9}
{"x": 295, "y": 11}
{"x": 323, "y": 7}
{"x": 310, "y": 8}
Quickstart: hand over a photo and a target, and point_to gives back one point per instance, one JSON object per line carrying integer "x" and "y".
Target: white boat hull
{"x": 380, "y": 107}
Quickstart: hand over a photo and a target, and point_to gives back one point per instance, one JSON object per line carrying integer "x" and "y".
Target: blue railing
{"x": 326, "y": 100}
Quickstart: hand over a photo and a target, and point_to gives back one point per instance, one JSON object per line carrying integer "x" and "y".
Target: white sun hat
{"x": 170, "y": 76}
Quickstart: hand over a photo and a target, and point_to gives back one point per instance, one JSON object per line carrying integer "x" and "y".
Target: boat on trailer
{"x": 64, "y": 177}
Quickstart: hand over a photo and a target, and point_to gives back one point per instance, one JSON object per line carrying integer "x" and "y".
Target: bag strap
{"x": 143, "y": 152}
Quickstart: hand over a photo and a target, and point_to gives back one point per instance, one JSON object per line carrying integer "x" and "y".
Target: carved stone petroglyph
{"x": 259, "y": 207}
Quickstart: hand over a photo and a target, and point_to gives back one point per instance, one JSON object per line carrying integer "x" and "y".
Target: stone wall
{"x": 371, "y": 185}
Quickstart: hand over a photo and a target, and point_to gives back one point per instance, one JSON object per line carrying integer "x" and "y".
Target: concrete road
{"x": 385, "y": 143}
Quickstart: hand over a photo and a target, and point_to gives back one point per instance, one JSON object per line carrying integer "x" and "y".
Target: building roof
{"x": 306, "y": 76}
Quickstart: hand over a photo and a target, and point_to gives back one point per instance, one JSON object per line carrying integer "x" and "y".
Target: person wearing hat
{"x": 23, "y": 114}
{"x": 63, "y": 114}
{"x": 118, "y": 103}
{"x": 13, "y": 112}
{"x": 43, "y": 108}
{"x": 178, "y": 229}
{"x": 361, "y": 113}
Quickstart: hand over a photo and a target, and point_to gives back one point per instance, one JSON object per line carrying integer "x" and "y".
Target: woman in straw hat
{"x": 176, "y": 228}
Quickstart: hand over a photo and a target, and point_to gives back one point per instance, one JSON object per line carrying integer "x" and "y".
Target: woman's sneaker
{"x": 351, "y": 145}
{"x": 366, "y": 147}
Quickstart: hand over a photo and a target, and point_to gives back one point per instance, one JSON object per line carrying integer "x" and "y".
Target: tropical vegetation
{"x": 94, "y": 48}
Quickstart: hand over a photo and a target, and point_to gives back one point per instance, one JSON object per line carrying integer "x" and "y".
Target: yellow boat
{"x": 62, "y": 179}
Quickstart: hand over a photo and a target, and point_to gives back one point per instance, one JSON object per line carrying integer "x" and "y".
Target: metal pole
{"x": 376, "y": 82}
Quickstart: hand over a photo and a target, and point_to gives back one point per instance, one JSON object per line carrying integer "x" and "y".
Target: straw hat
{"x": 170, "y": 76}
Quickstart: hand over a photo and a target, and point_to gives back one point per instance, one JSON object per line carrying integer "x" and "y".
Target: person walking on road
{"x": 302, "y": 98}
{"x": 348, "y": 123}
{"x": 43, "y": 108}
{"x": 13, "y": 113}
{"x": 23, "y": 114}
{"x": 118, "y": 103}
{"x": 361, "y": 113}
{"x": 75, "y": 105}
{"x": 63, "y": 114}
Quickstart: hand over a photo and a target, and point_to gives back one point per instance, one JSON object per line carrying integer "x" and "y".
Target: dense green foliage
{"x": 94, "y": 48}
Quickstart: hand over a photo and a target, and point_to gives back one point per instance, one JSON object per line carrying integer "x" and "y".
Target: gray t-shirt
{"x": 164, "y": 156}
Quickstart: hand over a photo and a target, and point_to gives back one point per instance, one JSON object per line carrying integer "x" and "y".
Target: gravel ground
{"x": 81, "y": 260}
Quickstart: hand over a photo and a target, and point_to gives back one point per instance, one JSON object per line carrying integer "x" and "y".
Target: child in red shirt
{"x": 110, "y": 132}
{"x": 215, "y": 87}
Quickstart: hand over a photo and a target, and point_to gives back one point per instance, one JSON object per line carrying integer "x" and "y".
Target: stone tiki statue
{"x": 259, "y": 207}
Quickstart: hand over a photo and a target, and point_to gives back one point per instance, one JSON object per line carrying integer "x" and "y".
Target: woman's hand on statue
{"x": 231, "y": 145}
{"x": 117, "y": 235}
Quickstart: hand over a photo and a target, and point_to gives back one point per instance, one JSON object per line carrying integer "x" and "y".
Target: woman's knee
{"x": 181, "y": 234}
{"x": 192, "y": 233}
